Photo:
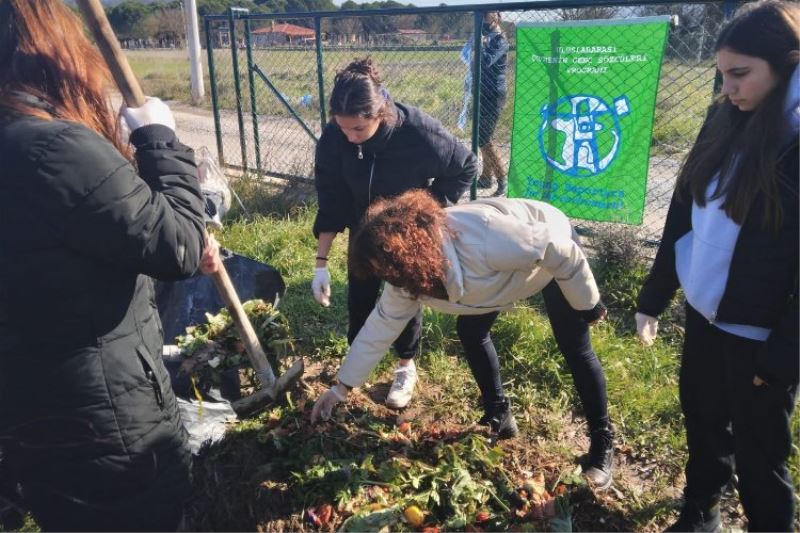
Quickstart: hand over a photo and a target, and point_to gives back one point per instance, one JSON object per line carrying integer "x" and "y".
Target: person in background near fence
{"x": 475, "y": 260}
{"x": 89, "y": 423}
{"x": 494, "y": 54}
{"x": 731, "y": 242}
{"x": 375, "y": 147}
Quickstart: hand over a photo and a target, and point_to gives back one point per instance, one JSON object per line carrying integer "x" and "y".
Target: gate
{"x": 271, "y": 75}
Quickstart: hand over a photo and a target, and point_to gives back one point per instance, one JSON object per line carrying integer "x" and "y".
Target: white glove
{"x": 154, "y": 111}
{"x": 646, "y": 328}
{"x": 324, "y": 405}
{"x": 321, "y": 285}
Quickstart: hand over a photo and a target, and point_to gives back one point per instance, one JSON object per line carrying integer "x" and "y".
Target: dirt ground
{"x": 259, "y": 496}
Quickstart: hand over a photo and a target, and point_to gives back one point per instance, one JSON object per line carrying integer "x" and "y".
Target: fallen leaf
{"x": 325, "y": 513}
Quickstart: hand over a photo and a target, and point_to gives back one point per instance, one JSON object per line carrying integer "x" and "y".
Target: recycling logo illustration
{"x": 580, "y": 135}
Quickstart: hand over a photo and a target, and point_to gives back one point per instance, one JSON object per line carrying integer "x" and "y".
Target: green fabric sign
{"x": 583, "y": 115}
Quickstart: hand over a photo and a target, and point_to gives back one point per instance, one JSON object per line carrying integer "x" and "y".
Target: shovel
{"x": 271, "y": 387}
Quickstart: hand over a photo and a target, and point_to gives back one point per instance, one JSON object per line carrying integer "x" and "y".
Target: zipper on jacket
{"x": 156, "y": 388}
{"x": 360, "y": 152}
{"x": 150, "y": 375}
{"x": 371, "y": 173}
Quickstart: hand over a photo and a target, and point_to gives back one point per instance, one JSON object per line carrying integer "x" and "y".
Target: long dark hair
{"x": 400, "y": 241}
{"x": 744, "y": 145}
{"x": 358, "y": 92}
{"x": 45, "y": 54}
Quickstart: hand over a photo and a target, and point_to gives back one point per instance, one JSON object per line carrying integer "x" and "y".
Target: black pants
{"x": 727, "y": 417}
{"x": 362, "y": 294}
{"x": 572, "y": 336}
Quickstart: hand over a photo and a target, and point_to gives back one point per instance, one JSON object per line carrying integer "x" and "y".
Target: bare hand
{"x": 210, "y": 261}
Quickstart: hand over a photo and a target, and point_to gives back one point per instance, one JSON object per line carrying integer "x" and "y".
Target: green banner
{"x": 583, "y": 115}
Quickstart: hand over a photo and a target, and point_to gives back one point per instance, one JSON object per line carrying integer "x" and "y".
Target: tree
{"x": 166, "y": 25}
{"x": 698, "y": 25}
{"x": 126, "y": 18}
{"x": 588, "y": 13}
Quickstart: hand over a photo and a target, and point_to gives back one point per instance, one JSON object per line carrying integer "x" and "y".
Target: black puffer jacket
{"x": 85, "y": 400}
{"x": 414, "y": 152}
{"x": 762, "y": 286}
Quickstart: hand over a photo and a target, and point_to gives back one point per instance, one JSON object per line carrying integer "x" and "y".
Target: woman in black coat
{"x": 494, "y": 59}
{"x": 731, "y": 242}
{"x": 89, "y": 422}
{"x": 375, "y": 148}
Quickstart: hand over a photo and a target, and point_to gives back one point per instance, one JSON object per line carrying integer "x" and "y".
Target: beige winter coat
{"x": 501, "y": 251}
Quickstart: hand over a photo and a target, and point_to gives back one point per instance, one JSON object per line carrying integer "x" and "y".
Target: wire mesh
{"x": 425, "y": 61}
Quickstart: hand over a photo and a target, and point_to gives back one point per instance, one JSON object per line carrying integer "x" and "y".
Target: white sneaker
{"x": 405, "y": 378}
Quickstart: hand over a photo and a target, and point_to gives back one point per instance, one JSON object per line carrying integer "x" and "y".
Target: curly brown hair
{"x": 400, "y": 242}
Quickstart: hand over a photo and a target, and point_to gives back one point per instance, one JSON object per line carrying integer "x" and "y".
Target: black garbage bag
{"x": 185, "y": 303}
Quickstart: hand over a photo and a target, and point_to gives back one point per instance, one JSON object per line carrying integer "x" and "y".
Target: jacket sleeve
{"x": 333, "y": 197}
{"x": 458, "y": 169}
{"x": 662, "y": 282}
{"x": 778, "y": 360}
{"x": 512, "y": 245}
{"x": 495, "y": 48}
{"x": 384, "y": 324}
{"x": 151, "y": 222}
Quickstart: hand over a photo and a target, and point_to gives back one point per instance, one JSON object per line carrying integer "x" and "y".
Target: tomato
{"x": 414, "y": 515}
{"x": 325, "y": 513}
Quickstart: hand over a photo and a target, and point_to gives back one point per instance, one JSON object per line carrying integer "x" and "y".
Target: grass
{"x": 272, "y": 468}
{"x": 431, "y": 80}
{"x": 642, "y": 381}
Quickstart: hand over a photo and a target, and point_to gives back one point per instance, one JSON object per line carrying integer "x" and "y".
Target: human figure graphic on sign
{"x": 582, "y": 128}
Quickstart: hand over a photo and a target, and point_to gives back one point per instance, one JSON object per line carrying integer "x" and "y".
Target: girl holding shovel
{"x": 375, "y": 147}
{"x": 89, "y": 423}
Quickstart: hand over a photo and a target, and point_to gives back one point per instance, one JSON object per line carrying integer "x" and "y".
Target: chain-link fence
{"x": 271, "y": 76}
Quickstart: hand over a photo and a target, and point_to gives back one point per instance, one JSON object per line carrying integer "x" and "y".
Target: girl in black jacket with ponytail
{"x": 374, "y": 147}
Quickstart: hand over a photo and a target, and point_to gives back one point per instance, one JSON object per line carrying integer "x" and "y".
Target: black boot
{"x": 601, "y": 458}
{"x": 501, "y": 421}
{"x": 694, "y": 517}
{"x": 484, "y": 182}
{"x": 501, "y": 187}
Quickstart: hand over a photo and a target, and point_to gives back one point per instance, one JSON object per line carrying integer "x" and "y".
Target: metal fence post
{"x": 236, "y": 82}
{"x": 320, "y": 73}
{"x": 212, "y": 74}
{"x": 253, "y": 106}
{"x": 476, "y": 91}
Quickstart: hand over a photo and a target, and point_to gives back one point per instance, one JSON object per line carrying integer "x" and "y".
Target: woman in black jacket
{"x": 89, "y": 423}
{"x": 731, "y": 243}
{"x": 494, "y": 57}
{"x": 375, "y": 148}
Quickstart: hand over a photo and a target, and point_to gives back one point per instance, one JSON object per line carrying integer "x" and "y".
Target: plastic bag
{"x": 186, "y": 302}
{"x": 214, "y": 186}
{"x": 205, "y": 422}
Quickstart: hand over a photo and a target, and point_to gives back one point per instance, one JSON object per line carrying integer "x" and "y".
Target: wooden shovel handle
{"x": 95, "y": 17}
{"x": 249, "y": 337}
